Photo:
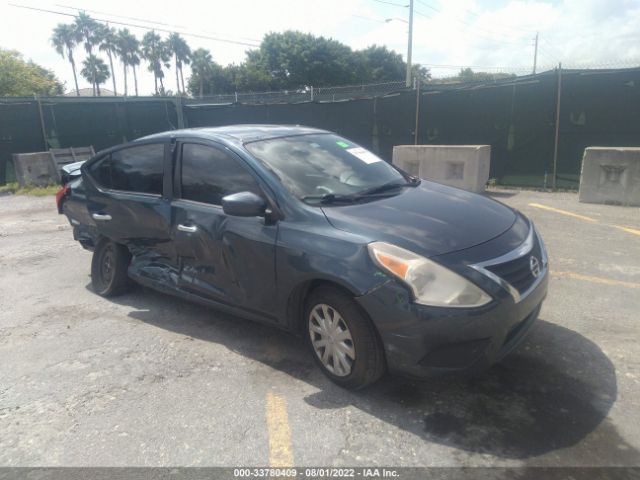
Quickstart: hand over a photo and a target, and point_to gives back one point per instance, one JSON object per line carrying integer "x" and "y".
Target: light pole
{"x": 410, "y": 43}
{"x": 535, "y": 54}
{"x": 410, "y": 40}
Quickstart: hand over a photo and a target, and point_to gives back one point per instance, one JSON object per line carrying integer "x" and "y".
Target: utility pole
{"x": 415, "y": 132}
{"x": 557, "y": 136}
{"x": 535, "y": 54}
{"x": 410, "y": 44}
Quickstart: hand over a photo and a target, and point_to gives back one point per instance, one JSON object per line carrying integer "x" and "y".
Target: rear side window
{"x": 135, "y": 169}
{"x": 208, "y": 174}
{"x": 101, "y": 171}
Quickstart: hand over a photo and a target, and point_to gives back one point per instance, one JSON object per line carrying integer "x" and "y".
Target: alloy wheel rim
{"x": 331, "y": 340}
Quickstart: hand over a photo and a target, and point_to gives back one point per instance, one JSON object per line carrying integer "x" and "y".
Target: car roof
{"x": 239, "y": 133}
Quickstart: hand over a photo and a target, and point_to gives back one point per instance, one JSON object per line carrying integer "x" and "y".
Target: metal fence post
{"x": 42, "y": 127}
{"x": 120, "y": 108}
{"x": 374, "y": 133}
{"x": 557, "y": 136}
{"x": 312, "y": 93}
{"x": 179, "y": 111}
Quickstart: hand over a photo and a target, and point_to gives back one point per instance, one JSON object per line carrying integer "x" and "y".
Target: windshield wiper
{"x": 330, "y": 198}
{"x": 378, "y": 190}
{"x": 412, "y": 182}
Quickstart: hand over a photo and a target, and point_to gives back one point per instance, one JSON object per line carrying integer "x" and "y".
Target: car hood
{"x": 430, "y": 219}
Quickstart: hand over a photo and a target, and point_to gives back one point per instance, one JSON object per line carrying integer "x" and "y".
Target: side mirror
{"x": 244, "y": 204}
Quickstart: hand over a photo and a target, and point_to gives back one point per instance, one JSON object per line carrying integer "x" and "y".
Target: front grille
{"x": 517, "y": 272}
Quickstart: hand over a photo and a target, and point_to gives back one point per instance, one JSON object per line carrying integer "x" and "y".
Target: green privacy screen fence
{"x": 516, "y": 117}
{"x": 33, "y": 125}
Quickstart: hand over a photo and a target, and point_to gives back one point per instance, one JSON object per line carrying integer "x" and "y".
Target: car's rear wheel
{"x": 344, "y": 342}
{"x": 109, "y": 268}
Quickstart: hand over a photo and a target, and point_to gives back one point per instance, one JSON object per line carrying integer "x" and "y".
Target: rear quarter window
{"x": 100, "y": 171}
{"x": 134, "y": 169}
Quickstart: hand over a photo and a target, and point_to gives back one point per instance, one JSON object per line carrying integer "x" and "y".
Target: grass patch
{"x": 10, "y": 187}
{"x": 32, "y": 190}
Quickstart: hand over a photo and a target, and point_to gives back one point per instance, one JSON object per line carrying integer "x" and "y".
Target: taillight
{"x": 63, "y": 192}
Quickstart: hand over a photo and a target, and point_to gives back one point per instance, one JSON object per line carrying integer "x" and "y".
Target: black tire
{"x": 109, "y": 268}
{"x": 369, "y": 363}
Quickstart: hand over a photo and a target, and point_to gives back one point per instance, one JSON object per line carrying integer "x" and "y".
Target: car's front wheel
{"x": 343, "y": 341}
{"x": 109, "y": 268}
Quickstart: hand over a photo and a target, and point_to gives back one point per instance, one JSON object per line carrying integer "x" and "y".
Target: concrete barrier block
{"x": 610, "y": 175}
{"x": 35, "y": 169}
{"x": 462, "y": 166}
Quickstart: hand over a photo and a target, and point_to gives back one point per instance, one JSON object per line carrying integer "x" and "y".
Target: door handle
{"x": 101, "y": 217}
{"x": 187, "y": 228}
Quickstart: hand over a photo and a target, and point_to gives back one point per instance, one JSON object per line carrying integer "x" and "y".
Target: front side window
{"x": 134, "y": 169}
{"x": 323, "y": 164}
{"x": 208, "y": 174}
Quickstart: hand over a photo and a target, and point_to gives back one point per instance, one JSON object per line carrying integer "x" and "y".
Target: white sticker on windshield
{"x": 365, "y": 155}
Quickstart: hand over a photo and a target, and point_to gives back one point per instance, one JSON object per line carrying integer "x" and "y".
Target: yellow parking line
{"x": 600, "y": 280}
{"x": 628, "y": 229}
{"x": 280, "y": 453}
{"x": 633, "y": 231}
{"x": 563, "y": 212}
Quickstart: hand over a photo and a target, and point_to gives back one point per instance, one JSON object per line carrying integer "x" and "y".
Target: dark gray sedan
{"x": 309, "y": 232}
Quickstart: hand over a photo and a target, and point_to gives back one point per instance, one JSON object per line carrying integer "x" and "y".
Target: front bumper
{"x": 425, "y": 341}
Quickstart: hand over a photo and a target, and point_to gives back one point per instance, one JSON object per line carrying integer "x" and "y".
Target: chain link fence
{"x": 305, "y": 94}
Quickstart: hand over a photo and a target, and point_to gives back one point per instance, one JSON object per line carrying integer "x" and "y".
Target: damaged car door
{"x": 224, "y": 258}
{"x": 127, "y": 202}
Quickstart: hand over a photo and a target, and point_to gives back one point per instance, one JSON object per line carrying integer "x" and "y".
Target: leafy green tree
{"x": 295, "y": 59}
{"x": 254, "y": 74}
{"x": 379, "y": 64}
{"x": 156, "y": 53}
{"x": 65, "y": 38}
{"x": 467, "y": 75}
{"x": 421, "y": 73}
{"x": 202, "y": 67}
{"x": 94, "y": 69}
{"x": 108, "y": 42}
{"x": 88, "y": 31}
{"x": 25, "y": 78}
{"x": 181, "y": 55}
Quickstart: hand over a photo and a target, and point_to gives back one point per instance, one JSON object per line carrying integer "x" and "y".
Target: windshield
{"x": 321, "y": 165}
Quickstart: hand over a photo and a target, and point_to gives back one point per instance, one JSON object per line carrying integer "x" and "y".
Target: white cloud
{"x": 490, "y": 33}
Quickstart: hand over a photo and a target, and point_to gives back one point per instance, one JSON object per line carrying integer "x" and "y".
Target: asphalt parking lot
{"x": 150, "y": 380}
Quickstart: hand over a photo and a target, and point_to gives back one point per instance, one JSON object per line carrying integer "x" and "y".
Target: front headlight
{"x": 431, "y": 283}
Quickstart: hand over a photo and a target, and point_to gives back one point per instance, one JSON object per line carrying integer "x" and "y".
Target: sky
{"x": 488, "y": 35}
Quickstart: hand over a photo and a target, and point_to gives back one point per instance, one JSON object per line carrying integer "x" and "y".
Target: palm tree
{"x": 181, "y": 52}
{"x": 94, "y": 69}
{"x": 121, "y": 51}
{"x": 134, "y": 61}
{"x": 201, "y": 66}
{"x": 64, "y": 39}
{"x": 155, "y": 51}
{"x": 108, "y": 42}
{"x": 129, "y": 52}
{"x": 124, "y": 42}
{"x": 88, "y": 31}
